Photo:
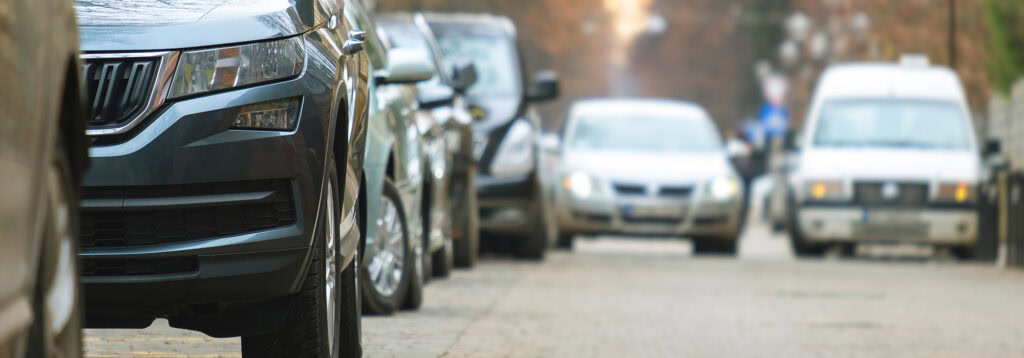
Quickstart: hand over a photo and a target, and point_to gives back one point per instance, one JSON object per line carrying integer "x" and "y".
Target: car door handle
{"x": 355, "y": 43}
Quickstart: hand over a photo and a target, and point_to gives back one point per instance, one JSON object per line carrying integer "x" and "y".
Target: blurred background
{"x": 714, "y": 52}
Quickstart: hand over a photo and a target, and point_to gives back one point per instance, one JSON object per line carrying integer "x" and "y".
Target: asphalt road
{"x": 652, "y": 298}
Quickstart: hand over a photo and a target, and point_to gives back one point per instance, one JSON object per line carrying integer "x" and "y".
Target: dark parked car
{"x": 42, "y": 157}
{"x": 221, "y": 193}
{"x": 448, "y": 126}
{"x": 506, "y": 127}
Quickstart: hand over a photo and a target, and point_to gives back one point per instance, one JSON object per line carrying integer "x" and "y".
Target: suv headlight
{"x": 724, "y": 188}
{"x": 515, "y": 154}
{"x": 961, "y": 192}
{"x": 207, "y": 70}
{"x": 824, "y": 190}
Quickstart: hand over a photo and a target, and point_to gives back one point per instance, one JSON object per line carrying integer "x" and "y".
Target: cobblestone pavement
{"x": 652, "y": 298}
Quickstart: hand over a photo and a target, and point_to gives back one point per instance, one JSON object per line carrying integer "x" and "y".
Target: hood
{"x": 147, "y": 25}
{"x": 645, "y": 167}
{"x": 893, "y": 164}
{"x": 497, "y": 111}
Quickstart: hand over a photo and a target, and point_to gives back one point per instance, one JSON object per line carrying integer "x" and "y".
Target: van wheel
{"x": 533, "y": 243}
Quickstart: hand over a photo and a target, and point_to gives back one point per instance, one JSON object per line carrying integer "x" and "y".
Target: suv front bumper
{"x": 180, "y": 214}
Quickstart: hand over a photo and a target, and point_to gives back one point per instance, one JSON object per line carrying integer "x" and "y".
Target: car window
{"x": 892, "y": 123}
{"x": 493, "y": 56}
{"x": 646, "y": 133}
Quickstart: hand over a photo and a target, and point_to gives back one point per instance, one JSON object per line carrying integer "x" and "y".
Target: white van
{"x": 888, "y": 154}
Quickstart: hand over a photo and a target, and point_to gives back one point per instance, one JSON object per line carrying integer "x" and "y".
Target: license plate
{"x": 890, "y": 216}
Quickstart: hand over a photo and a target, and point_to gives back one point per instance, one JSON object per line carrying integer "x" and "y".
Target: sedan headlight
{"x": 824, "y": 190}
{"x": 579, "y": 184}
{"x": 724, "y": 188}
{"x": 515, "y": 154}
{"x": 207, "y": 70}
{"x": 961, "y": 192}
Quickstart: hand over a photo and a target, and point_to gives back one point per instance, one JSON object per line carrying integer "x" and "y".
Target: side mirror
{"x": 550, "y": 142}
{"x": 433, "y": 96}
{"x": 992, "y": 146}
{"x": 406, "y": 66}
{"x": 463, "y": 76}
{"x": 544, "y": 86}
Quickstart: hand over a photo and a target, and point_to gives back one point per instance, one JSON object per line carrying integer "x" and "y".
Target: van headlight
{"x": 579, "y": 184}
{"x": 724, "y": 188}
{"x": 961, "y": 192}
{"x": 215, "y": 69}
{"x": 515, "y": 153}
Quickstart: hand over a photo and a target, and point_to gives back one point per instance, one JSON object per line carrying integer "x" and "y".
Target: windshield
{"x": 493, "y": 56}
{"x": 642, "y": 133}
{"x": 892, "y": 123}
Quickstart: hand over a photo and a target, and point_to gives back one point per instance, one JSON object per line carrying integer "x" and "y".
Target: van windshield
{"x": 895, "y": 123}
{"x": 493, "y": 56}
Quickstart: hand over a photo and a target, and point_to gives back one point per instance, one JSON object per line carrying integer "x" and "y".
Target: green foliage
{"x": 1005, "y": 20}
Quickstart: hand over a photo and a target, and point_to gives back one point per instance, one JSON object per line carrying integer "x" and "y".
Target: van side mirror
{"x": 463, "y": 76}
{"x": 544, "y": 86}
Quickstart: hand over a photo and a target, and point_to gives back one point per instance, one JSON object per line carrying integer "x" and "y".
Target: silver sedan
{"x": 647, "y": 167}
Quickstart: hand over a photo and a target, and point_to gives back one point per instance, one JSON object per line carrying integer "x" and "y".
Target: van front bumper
{"x": 848, "y": 223}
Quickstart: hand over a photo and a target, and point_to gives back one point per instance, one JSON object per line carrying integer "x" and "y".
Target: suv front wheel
{"x": 324, "y": 318}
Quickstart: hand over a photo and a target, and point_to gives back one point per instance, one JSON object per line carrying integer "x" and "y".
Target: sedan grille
{"x": 890, "y": 193}
{"x": 119, "y": 89}
{"x": 630, "y": 189}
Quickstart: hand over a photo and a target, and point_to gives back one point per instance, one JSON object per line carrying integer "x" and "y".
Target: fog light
{"x": 271, "y": 115}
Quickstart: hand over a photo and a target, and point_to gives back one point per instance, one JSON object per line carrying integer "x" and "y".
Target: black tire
{"x": 59, "y": 253}
{"x": 565, "y": 241}
{"x": 963, "y": 253}
{"x": 444, "y": 259}
{"x": 375, "y": 302}
{"x": 715, "y": 246}
{"x": 534, "y": 242}
{"x": 304, "y": 331}
{"x": 466, "y": 219}
{"x": 796, "y": 237}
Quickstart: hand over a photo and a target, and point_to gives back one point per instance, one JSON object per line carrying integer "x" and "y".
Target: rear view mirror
{"x": 407, "y": 66}
{"x": 433, "y": 96}
{"x": 544, "y": 86}
{"x": 463, "y": 76}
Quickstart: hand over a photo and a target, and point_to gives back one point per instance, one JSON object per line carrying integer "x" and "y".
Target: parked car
{"x": 394, "y": 173}
{"x": 43, "y": 153}
{"x": 648, "y": 167}
{"x": 506, "y": 125}
{"x": 446, "y": 118}
{"x": 888, "y": 154}
{"x": 221, "y": 194}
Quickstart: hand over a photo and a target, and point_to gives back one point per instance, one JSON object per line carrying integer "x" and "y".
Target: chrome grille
{"x": 123, "y": 88}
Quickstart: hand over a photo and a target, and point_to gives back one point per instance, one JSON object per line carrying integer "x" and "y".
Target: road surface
{"x": 615, "y": 297}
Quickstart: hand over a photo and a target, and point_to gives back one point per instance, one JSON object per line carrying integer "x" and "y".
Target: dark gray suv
{"x": 218, "y": 196}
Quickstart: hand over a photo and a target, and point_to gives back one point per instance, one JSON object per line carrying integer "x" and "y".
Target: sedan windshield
{"x": 644, "y": 134}
{"x": 493, "y": 57}
{"x": 892, "y": 123}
